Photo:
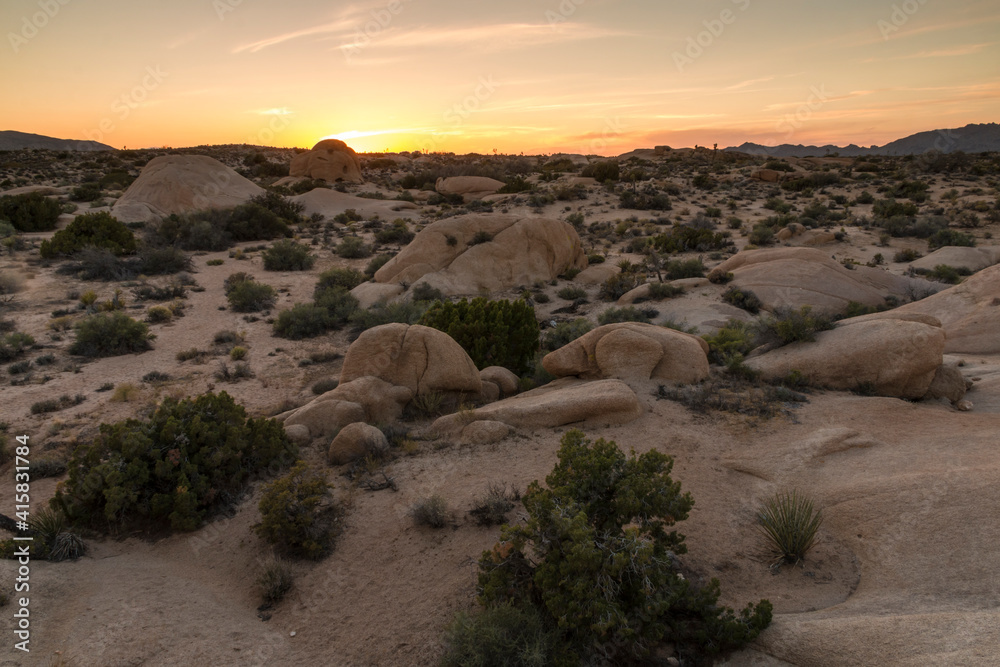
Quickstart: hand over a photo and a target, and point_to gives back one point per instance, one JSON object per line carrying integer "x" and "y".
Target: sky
{"x": 579, "y": 76}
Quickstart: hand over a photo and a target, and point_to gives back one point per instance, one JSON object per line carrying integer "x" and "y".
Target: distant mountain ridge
{"x": 973, "y": 138}
{"x": 11, "y": 140}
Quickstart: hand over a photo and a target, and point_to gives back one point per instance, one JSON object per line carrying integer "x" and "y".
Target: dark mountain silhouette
{"x": 11, "y": 140}
{"x": 973, "y": 138}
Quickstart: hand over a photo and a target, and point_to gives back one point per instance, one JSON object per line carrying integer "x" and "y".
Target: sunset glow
{"x": 582, "y": 76}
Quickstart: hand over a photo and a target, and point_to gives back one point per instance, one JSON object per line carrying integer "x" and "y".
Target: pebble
{"x": 964, "y": 405}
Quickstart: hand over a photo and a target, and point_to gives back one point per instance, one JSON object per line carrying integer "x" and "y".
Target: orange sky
{"x": 582, "y": 76}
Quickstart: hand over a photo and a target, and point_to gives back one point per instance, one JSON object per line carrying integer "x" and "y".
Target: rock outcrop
{"x": 356, "y": 441}
{"x": 330, "y": 160}
{"x": 632, "y": 350}
{"x": 796, "y": 277}
{"x": 470, "y": 187}
{"x": 416, "y": 357}
{"x": 181, "y": 184}
{"x": 471, "y": 254}
{"x": 884, "y": 355}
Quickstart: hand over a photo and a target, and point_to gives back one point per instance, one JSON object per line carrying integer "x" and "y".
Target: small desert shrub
{"x": 287, "y": 255}
{"x": 13, "y": 345}
{"x": 565, "y": 333}
{"x": 571, "y": 293}
{"x": 397, "y": 233}
{"x": 789, "y": 326}
{"x": 191, "y": 353}
{"x": 949, "y": 237}
{"x": 297, "y": 515}
{"x": 238, "y": 353}
{"x": 159, "y": 315}
{"x": 227, "y": 336}
{"x": 190, "y": 459}
{"x": 274, "y": 581}
{"x": 406, "y": 312}
{"x": 324, "y": 385}
{"x": 215, "y": 262}
{"x": 340, "y": 305}
{"x": 493, "y": 333}
{"x": 10, "y": 284}
{"x": 906, "y": 255}
{"x": 347, "y": 279}
{"x": 250, "y": 296}
{"x": 90, "y": 229}
{"x": 685, "y": 238}
{"x": 626, "y": 314}
{"x": 617, "y": 285}
{"x": 482, "y": 236}
{"x": 239, "y": 371}
{"x": 302, "y": 320}
{"x": 153, "y": 377}
{"x": 424, "y": 292}
{"x": 492, "y": 508}
{"x": 56, "y": 404}
{"x": 605, "y": 170}
{"x": 428, "y": 403}
{"x": 735, "y": 338}
{"x": 46, "y": 467}
{"x": 110, "y": 334}
{"x": 432, "y": 511}
{"x": 19, "y": 367}
{"x": 790, "y": 524}
{"x": 660, "y": 291}
{"x": 744, "y": 299}
{"x": 353, "y": 247}
{"x": 125, "y": 393}
{"x": 376, "y": 263}
{"x": 688, "y": 268}
{"x": 501, "y": 635}
{"x": 32, "y": 212}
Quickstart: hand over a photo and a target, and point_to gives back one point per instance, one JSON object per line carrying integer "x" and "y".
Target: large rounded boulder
{"x": 632, "y": 350}
{"x": 796, "y": 277}
{"x": 416, "y": 357}
{"x": 330, "y": 160}
{"x": 882, "y": 354}
{"x": 472, "y": 254}
{"x": 181, "y": 184}
{"x": 469, "y": 187}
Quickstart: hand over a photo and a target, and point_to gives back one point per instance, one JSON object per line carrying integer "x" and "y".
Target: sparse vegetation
{"x": 99, "y": 230}
{"x": 431, "y": 511}
{"x": 110, "y": 334}
{"x": 790, "y": 524}
{"x": 297, "y": 514}
{"x": 287, "y": 255}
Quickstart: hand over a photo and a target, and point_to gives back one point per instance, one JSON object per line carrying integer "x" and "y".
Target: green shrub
{"x": 405, "y": 312}
{"x": 492, "y": 508}
{"x": 303, "y": 320}
{"x": 282, "y": 207}
{"x": 159, "y": 315}
{"x": 86, "y": 192}
{"x": 13, "y": 345}
{"x": 565, "y": 333}
{"x": 889, "y": 208}
{"x": 110, "y": 334}
{"x": 735, "y": 338}
{"x": 340, "y": 305}
{"x": 324, "y": 385}
{"x": 687, "y": 268}
{"x": 375, "y": 264}
{"x": 660, "y": 291}
{"x": 493, "y": 333}
{"x": 482, "y": 236}
{"x": 353, "y": 247}
{"x": 296, "y": 515}
{"x": 345, "y": 278}
{"x": 396, "y": 233}
{"x": 948, "y": 274}
{"x": 790, "y": 524}
{"x": 32, "y": 212}
{"x": 287, "y": 255}
{"x": 596, "y": 561}
{"x": 626, "y": 314}
{"x": 619, "y": 284}
{"x": 789, "y": 326}
{"x": 90, "y": 229}
{"x": 602, "y": 171}
{"x": 215, "y": 229}
{"x": 500, "y": 635}
{"x": 950, "y": 237}
{"x": 432, "y": 511}
{"x": 761, "y": 234}
{"x": 191, "y": 459}
{"x": 744, "y": 299}
{"x": 274, "y": 581}
{"x": 250, "y": 296}
{"x": 691, "y": 239}
{"x": 571, "y": 293}
{"x": 906, "y": 255}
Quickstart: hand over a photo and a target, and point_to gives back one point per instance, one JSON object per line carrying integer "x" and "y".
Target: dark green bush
{"x": 424, "y": 292}
{"x": 736, "y": 338}
{"x": 405, "y": 312}
{"x": 564, "y": 333}
{"x": 296, "y": 515}
{"x": 500, "y": 635}
{"x": 90, "y": 229}
{"x": 789, "y": 326}
{"x": 603, "y": 171}
{"x": 345, "y": 278}
{"x": 686, "y": 268}
{"x": 285, "y": 209}
{"x": 396, "y": 233}
{"x": 686, "y": 239}
{"x": 191, "y": 459}
{"x": 340, "y": 305}
{"x": 790, "y": 524}
{"x": 744, "y": 299}
{"x": 596, "y": 561}
{"x": 626, "y": 314}
{"x": 303, "y": 320}
{"x": 376, "y": 263}
{"x": 250, "y": 296}
{"x": 617, "y": 285}
{"x": 110, "y": 334}
{"x": 353, "y": 247}
{"x": 660, "y": 291}
{"x": 888, "y": 208}
{"x": 493, "y": 333}
{"x": 161, "y": 261}
{"x": 287, "y": 255}
{"x": 32, "y": 212}
{"x": 572, "y": 293}
{"x": 86, "y": 192}
{"x": 950, "y": 237}
{"x": 647, "y": 199}
{"x": 215, "y": 230}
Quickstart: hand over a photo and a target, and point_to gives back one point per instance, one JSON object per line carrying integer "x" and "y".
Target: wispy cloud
{"x": 277, "y": 111}
{"x": 967, "y": 50}
{"x": 338, "y": 26}
{"x": 500, "y": 36}
{"x": 750, "y": 82}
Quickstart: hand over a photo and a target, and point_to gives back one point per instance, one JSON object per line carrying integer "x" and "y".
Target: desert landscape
{"x": 823, "y": 325}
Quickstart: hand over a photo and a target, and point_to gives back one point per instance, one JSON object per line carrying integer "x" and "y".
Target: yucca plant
{"x": 790, "y": 523}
